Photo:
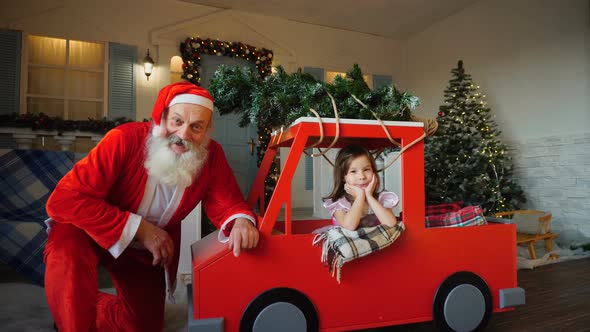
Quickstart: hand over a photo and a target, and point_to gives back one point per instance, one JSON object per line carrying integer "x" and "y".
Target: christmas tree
{"x": 465, "y": 160}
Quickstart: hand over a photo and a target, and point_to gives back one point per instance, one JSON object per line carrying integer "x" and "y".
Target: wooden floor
{"x": 557, "y": 299}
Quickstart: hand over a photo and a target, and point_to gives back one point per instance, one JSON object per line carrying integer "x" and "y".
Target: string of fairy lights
{"x": 460, "y": 103}
{"x": 193, "y": 47}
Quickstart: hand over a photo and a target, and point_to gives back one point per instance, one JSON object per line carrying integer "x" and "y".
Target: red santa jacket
{"x": 102, "y": 189}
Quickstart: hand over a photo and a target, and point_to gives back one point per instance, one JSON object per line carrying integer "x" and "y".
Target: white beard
{"x": 170, "y": 168}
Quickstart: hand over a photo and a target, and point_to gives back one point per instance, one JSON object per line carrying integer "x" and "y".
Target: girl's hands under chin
{"x": 370, "y": 189}
{"x": 353, "y": 191}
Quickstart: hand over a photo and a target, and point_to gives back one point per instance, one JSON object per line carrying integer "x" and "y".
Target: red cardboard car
{"x": 455, "y": 276}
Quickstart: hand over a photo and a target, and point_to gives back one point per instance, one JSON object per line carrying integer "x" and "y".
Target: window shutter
{"x": 381, "y": 81}
{"x": 122, "y": 61}
{"x": 318, "y": 74}
{"x": 10, "y": 55}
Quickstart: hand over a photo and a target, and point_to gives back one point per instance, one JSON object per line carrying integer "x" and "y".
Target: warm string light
{"x": 193, "y": 47}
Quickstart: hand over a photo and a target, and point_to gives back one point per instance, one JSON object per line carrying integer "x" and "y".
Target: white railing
{"x": 25, "y": 137}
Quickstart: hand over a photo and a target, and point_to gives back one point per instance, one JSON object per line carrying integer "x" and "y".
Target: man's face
{"x": 188, "y": 122}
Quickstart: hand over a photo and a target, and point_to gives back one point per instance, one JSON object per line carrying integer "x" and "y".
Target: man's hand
{"x": 157, "y": 241}
{"x": 243, "y": 236}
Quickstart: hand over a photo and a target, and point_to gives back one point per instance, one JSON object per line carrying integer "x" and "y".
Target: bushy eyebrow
{"x": 178, "y": 115}
{"x": 201, "y": 122}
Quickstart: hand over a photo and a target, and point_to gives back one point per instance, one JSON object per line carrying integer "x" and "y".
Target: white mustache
{"x": 177, "y": 140}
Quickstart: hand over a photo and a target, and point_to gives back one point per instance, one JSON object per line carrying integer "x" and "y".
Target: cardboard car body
{"x": 454, "y": 276}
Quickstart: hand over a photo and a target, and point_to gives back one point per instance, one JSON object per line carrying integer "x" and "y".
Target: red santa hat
{"x": 177, "y": 93}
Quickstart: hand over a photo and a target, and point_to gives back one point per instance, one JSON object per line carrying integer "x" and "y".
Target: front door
{"x": 237, "y": 142}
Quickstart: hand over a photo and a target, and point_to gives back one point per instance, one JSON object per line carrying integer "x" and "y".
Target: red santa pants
{"x": 71, "y": 285}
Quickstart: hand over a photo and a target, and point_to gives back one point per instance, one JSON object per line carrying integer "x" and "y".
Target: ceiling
{"x": 392, "y": 19}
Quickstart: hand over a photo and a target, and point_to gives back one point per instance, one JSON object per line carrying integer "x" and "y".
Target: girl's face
{"x": 360, "y": 173}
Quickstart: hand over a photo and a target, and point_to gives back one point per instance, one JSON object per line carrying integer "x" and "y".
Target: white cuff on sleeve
{"x": 221, "y": 236}
{"x": 127, "y": 235}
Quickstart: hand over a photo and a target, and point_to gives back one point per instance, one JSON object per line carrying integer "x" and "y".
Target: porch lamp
{"x": 148, "y": 64}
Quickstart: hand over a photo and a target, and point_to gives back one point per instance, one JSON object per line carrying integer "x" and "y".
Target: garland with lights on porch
{"x": 41, "y": 121}
{"x": 192, "y": 48}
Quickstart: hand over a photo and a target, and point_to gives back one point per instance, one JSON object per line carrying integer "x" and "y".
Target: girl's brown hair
{"x": 341, "y": 166}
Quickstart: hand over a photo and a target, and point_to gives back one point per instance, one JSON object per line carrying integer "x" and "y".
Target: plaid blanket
{"x": 467, "y": 216}
{"x": 27, "y": 178}
{"x": 344, "y": 245}
{"x": 21, "y": 247}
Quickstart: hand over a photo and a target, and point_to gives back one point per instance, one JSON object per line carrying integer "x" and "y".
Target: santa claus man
{"x": 121, "y": 207}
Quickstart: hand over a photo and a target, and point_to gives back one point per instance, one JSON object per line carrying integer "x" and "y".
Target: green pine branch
{"x": 280, "y": 99}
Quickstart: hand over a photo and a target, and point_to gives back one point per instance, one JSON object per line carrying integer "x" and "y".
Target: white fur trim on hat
{"x": 158, "y": 131}
{"x": 188, "y": 98}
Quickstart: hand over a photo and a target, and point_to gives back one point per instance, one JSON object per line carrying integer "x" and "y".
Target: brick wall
{"x": 554, "y": 172}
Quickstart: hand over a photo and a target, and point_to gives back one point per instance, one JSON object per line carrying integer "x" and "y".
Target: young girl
{"x": 354, "y": 201}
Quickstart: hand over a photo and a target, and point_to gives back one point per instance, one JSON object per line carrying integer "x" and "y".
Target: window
{"x": 331, "y": 75}
{"x": 176, "y": 69}
{"x": 382, "y": 80}
{"x": 65, "y": 78}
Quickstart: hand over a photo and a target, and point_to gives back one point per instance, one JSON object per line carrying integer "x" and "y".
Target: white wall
{"x": 530, "y": 57}
{"x": 555, "y": 175}
{"x": 532, "y": 60}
